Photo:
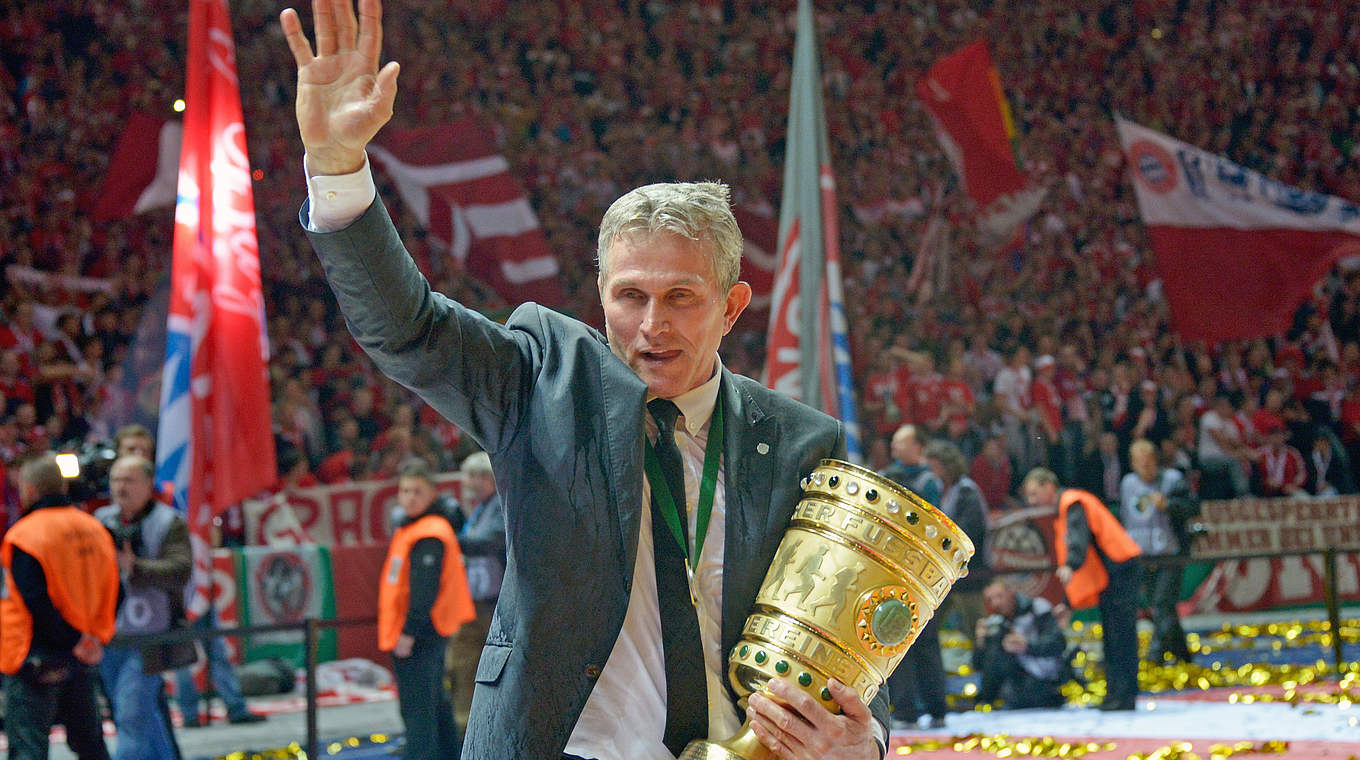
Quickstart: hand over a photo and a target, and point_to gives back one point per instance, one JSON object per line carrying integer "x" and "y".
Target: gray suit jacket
{"x": 562, "y": 420}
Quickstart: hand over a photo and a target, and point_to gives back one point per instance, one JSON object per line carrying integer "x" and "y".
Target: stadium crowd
{"x": 1054, "y": 350}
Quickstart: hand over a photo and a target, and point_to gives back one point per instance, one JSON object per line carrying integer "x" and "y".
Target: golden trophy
{"x": 862, "y": 567}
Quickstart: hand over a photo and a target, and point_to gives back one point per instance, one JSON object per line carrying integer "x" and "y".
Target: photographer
{"x": 154, "y": 560}
{"x": 1020, "y": 650}
{"x": 60, "y": 589}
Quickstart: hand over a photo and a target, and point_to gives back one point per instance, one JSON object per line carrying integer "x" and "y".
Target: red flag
{"x": 962, "y": 92}
{"x": 141, "y": 174}
{"x": 216, "y": 442}
{"x": 461, "y": 190}
{"x": 1237, "y": 251}
{"x": 760, "y": 238}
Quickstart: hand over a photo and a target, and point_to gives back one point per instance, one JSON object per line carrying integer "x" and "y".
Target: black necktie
{"x": 686, "y": 689}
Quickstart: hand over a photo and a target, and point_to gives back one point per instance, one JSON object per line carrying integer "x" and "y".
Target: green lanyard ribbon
{"x": 708, "y": 488}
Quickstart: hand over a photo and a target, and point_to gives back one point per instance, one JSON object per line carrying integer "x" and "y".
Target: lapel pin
{"x": 762, "y": 448}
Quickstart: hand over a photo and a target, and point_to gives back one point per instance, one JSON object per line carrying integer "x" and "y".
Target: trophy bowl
{"x": 862, "y": 567}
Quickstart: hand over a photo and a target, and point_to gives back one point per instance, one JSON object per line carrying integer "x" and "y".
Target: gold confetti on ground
{"x": 295, "y": 751}
{"x": 1004, "y": 746}
{"x": 1319, "y": 682}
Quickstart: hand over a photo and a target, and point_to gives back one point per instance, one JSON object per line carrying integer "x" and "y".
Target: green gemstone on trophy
{"x": 745, "y": 650}
{"x": 805, "y": 680}
{"x": 826, "y": 693}
{"x": 892, "y": 622}
{"x": 761, "y": 657}
{"x": 781, "y": 667}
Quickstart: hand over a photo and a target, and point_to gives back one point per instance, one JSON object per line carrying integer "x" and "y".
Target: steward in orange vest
{"x": 1095, "y": 564}
{"x": 423, "y": 598}
{"x": 427, "y": 549}
{"x": 58, "y": 598}
{"x": 1084, "y": 539}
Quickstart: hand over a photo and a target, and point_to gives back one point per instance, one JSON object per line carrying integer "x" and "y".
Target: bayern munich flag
{"x": 216, "y": 443}
{"x": 1237, "y": 252}
{"x": 461, "y": 190}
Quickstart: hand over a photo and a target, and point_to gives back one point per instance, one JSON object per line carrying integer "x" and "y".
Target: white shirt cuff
{"x": 336, "y": 200}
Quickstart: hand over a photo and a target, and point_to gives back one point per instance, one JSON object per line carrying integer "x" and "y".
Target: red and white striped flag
{"x": 1237, "y": 251}
{"x": 143, "y": 170}
{"x": 451, "y": 178}
{"x": 216, "y": 442}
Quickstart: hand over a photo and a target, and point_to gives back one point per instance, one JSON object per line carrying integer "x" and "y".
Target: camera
{"x": 995, "y": 624}
{"x": 126, "y": 534}
{"x": 87, "y": 470}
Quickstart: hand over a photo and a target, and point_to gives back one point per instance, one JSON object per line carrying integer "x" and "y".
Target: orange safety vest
{"x": 1083, "y": 590}
{"x": 452, "y": 606}
{"x": 80, "y": 566}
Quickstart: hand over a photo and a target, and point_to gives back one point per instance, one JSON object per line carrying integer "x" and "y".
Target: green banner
{"x": 286, "y": 585}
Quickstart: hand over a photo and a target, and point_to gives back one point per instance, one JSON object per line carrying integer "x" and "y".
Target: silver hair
{"x": 142, "y": 464}
{"x": 698, "y": 211}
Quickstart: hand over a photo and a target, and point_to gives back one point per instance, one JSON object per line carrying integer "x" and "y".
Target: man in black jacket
{"x": 422, "y": 600}
{"x": 58, "y": 594}
{"x": 1020, "y": 650}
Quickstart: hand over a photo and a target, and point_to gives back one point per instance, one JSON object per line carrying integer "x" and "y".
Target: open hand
{"x": 343, "y": 99}
{"x": 796, "y": 727}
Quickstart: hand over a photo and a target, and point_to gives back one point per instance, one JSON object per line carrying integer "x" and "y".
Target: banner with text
{"x": 1261, "y": 526}
{"x": 1020, "y": 545}
{"x": 344, "y": 514}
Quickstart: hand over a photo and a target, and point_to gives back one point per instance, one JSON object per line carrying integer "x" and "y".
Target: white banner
{"x": 343, "y": 514}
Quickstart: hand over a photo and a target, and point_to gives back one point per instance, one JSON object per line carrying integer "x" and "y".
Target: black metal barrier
{"x": 310, "y": 627}
{"x": 1331, "y": 600}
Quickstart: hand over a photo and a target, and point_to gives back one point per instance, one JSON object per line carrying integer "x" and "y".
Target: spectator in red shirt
{"x": 20, "y": 333}
{"x": 991, "y": 470}
{"x": 957, "y": 402}
{"x": 1280, "y": 470}
{"x": 13, "y": 385}
{"x": 1047, "y": 409}
{"x": 926, "y": 390}
{"x": 884, "y": 388}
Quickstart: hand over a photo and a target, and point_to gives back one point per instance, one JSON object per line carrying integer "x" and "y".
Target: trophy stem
{"x": 743, "y": 746}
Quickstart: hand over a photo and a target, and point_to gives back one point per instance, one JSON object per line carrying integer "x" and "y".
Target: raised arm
{"x": 343, "y": 98}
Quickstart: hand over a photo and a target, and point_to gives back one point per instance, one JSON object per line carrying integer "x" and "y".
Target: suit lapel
{"x": 625, "y": 397}
{"x": 748, "y": 480}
